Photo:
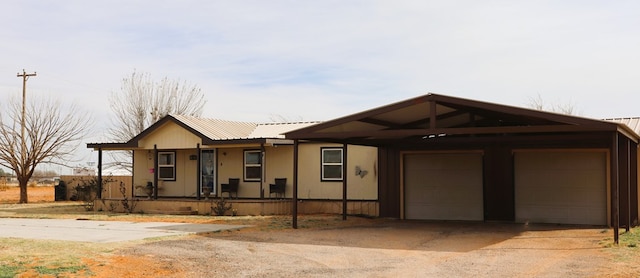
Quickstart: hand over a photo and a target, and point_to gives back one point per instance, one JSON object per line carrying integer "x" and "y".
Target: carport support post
{"x": 628, "y": 187}
{"x": 294, "y": 201}
{"x": 615, "y": 187}
{"x": 344, "y": 181}
{"x": 99, "y": 173}
{"x": 155, "y": 172}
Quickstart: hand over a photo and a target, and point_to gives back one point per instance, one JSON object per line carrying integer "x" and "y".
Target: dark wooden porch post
{"x": 294, "y": 200}
{"x": 155, "y": 172}
{"x": 99, "y": 173}
{"x": 615, "y": 187}
{"x": 344, "y": 181}
{"x": 199, "y": 172}
{"x": 263, "y": 174}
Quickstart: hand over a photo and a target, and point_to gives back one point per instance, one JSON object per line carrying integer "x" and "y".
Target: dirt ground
{"x": 36, "y": 194}
{"x": 360, "y": 247}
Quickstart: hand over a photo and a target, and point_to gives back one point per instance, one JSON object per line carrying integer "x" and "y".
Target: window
{"x": 252, "y": 165}
{"x": 331, "y": 164}
{"x": 167, "y": 166}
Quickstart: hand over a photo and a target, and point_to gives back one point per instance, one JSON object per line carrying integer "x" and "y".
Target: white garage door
{"x": 561, "y": 187}
{"x": 443, "y": 186}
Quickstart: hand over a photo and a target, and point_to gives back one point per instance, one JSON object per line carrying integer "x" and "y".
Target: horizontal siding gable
{"x": 170, "y": 136}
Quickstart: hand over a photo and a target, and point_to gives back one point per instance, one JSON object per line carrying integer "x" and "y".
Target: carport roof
{"x": 434, "y": 115}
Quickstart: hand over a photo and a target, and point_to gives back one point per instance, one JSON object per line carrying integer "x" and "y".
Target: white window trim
{"x": 246, "y": 165}
{"x": 172, "y": 166}
{"x": 323, "y": 164}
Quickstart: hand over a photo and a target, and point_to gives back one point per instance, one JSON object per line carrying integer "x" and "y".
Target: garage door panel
{"x": 443, "y": 186}
{"x": 561, "y": 187}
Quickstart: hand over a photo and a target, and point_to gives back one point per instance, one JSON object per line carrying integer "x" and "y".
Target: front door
{"x": 207, "y": 178}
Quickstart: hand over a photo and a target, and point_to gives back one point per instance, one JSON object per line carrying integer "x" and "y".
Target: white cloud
{"x": 324, "y": 59}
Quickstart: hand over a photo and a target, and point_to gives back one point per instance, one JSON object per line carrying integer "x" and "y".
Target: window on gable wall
{"x": 167, "y": 166}
{"x": 331, "y": 164}
{"x": 252, "y": 165}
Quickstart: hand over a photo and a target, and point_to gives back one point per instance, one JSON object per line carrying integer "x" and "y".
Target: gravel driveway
{"x": 391, "y": 248}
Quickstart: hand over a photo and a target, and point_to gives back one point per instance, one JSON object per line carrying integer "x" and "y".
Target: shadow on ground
{"x": 425, "y": 235}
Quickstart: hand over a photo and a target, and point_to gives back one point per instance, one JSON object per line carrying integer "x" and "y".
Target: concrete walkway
{"x": 99, "y": 231}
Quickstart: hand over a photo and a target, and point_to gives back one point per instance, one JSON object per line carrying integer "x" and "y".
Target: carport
{"x": 448, "y": 158}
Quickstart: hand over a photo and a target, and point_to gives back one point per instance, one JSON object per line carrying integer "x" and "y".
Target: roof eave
{"x": 111, "y": 146}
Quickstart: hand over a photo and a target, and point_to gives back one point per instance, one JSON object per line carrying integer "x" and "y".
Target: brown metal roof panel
{"x": 352, "y": 126}
{"x": 448, "y": 115}
{"x": 367, "y": 114}
{"x": 405, "y": 114}
{"x": 513, "y": 110}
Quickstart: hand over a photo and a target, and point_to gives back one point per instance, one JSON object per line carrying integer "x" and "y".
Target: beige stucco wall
{"x": 142, "y": 166}
{"x": 310, "y": 185}
{"x": 277, "y": 163}
{"x": 186, "y": 183}
{"x": 186, "y": 173}
{"x": 230, "y": 165}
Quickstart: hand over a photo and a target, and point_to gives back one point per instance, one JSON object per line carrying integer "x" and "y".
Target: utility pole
{"x": 25, "y": 76}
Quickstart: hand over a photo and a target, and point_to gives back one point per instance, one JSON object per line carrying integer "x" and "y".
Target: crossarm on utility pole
{"x": 25, "y": 76}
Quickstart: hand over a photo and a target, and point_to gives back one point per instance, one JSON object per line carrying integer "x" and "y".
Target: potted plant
{"x": 149, "y": 189}
{"x": 206, "y": 191}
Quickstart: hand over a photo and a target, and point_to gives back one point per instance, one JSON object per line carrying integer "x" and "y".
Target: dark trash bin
{"x": 60, "y": 191}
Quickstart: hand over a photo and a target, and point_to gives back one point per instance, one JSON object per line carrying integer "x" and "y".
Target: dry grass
{"x": 50, "y": 258}
{"x": 47, "y": 258}
{"x": 10, "y": 194}
{"x": 37, "y": 258}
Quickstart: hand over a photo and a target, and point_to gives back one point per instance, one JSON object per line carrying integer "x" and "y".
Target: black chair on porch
{"x": 279, "y": 187}
{"x": 231, "y": 187}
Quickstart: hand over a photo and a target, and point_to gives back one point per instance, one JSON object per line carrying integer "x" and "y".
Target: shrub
{"x": 87, "y": 191}
{"x": 220, "y": 207}
{"x": 127, "y": 205}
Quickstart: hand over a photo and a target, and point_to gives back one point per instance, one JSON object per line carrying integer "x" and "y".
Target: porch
{"x": 239, "y": 207}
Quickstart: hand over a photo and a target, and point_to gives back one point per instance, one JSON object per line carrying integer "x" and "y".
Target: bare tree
{"x": 39, "y": 174}
{"x": 50, "y": 136}
{"x": 142, "y": 102}
{"x": 538, "y": 103}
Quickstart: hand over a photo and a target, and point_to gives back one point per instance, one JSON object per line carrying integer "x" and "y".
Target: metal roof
{"x": 439, "y": 115}
{"x": 277, "y": 130}
{"x": 633, "y": 123}
{"x": 216, "y": 131}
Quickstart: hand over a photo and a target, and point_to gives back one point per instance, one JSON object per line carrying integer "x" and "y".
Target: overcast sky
{"x": 318, "y": 60}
